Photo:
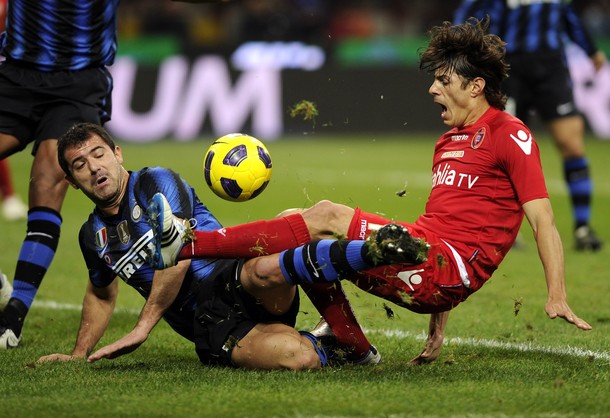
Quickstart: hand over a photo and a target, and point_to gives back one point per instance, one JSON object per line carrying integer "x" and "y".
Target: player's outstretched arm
{"x": 98, "y": 306}
{"x": 436, "y": 336}
{"x": 539, "y": 214}
{"x": 166, "y": 285}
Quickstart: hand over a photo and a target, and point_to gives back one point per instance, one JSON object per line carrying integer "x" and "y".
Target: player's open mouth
{"x": 101, "y": 180}
{"x": 443, "y": 110}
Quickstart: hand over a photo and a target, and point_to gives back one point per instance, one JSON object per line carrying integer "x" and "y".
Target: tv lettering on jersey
{"x": 450, "y": 177}
{"x": 134, "y": 258}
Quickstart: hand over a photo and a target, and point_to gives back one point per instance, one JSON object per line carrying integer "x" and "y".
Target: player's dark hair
{"x": 77, "y": 135}
{"x": 468, "y": 51}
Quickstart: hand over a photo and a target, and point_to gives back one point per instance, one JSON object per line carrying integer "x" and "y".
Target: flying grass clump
{"x": 402, "y": 192}
{"x": 305, "y": 109}
{"x": 518, "y": 303}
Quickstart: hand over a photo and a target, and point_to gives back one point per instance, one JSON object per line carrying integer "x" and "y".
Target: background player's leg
{"x": 47, "y": 191}
{"x": 568, "y": 133}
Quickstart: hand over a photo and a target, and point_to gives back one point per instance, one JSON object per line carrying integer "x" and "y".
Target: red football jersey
{"x": 481, "y": 176}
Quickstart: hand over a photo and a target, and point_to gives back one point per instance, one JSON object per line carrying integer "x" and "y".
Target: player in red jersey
{"x": 486, "y": 176}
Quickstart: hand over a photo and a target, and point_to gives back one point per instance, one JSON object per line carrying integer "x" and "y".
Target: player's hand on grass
{"x": 433, "y": 348}
{"x": 560, "y": 309}
{"x": 125, "y": 345}
{"x": 57, "y": 357}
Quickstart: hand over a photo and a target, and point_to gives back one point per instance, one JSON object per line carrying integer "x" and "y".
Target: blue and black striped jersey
{"x": 57, "y": 35}
{"x": 116, "y": 246}
{"x": 530, "y": 25}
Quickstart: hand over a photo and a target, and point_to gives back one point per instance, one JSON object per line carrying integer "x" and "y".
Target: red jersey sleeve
{"x": 519, "y": 156}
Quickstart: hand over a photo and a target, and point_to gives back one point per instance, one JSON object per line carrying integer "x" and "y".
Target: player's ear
{"x": 71, "y": 181}
{"x": 477, "y": 86}
{"x": 118, "y": 152}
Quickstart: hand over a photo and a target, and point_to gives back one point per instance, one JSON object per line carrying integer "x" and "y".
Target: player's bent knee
{"x": 287, "y": 212}
{"x": 274, "y": 346}
{"x": 327, "y": 219}
{"x": 263, "y": 272}
{"x": 299, "y": 354}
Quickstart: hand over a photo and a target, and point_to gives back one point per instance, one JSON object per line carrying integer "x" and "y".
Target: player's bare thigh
{"x": 325, "y": 219}
{"x": 568, "y": 133}
{"x": 8, "y": 145}
{"x": 275, "y": 346}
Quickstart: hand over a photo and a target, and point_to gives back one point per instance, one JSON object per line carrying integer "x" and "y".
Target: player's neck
{"x": 476, "y": 112}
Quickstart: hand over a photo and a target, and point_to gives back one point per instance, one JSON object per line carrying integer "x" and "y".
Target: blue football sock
{"x": 37, "y": 253}
{"x": 323, "y": 261}
{"x": 317, "y": 345}
{"x": 580, "y": 186}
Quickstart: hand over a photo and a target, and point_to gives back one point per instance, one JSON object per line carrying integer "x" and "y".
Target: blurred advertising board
{"x": 253, "y": 89}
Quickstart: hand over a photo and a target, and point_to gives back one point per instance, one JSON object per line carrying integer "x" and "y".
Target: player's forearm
{"x": 94, "y": 321}
{"x": 434, "y": 342}
{"x": 438, "y": 323}
{"x": 151, "y": 314}
{"x": 165, "y": 287}
{"x": 550, "y": 251}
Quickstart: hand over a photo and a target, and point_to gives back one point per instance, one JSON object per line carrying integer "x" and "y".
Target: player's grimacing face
{"x": 97, "y": 170}
{"x": 448, "y": 91}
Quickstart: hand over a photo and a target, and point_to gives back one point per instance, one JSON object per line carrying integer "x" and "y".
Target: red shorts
{"x": 437, "y": 285}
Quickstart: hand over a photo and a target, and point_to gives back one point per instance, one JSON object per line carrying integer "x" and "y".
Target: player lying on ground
{"x": 486, "y": 176}
{"x": 225, "y": 306}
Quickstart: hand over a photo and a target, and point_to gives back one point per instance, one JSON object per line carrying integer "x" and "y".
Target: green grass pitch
{"x": 503, "y": 356}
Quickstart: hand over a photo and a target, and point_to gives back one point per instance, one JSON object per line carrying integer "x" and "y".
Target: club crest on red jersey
{"x": 478, "y": 138}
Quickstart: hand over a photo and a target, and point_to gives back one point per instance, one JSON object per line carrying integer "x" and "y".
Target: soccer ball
{"x": 237, "y": 167}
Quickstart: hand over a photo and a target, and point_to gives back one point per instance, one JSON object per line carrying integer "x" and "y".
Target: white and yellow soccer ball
{"x": 237, "y": 167}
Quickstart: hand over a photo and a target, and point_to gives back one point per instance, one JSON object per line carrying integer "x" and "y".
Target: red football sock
{"x": 363, "y": 223}
{"x": 249, "y": 240}
{"x": 332, "y": 303}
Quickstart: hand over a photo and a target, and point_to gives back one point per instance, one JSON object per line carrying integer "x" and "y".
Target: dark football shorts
{"x": 226, "y": 314}
{"x": 539, "y": 82}
{"x": 38, "y": 105}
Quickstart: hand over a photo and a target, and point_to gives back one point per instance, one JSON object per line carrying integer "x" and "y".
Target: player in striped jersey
{"x": 223, "y": 306}
{"x": 54, "y": 75}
